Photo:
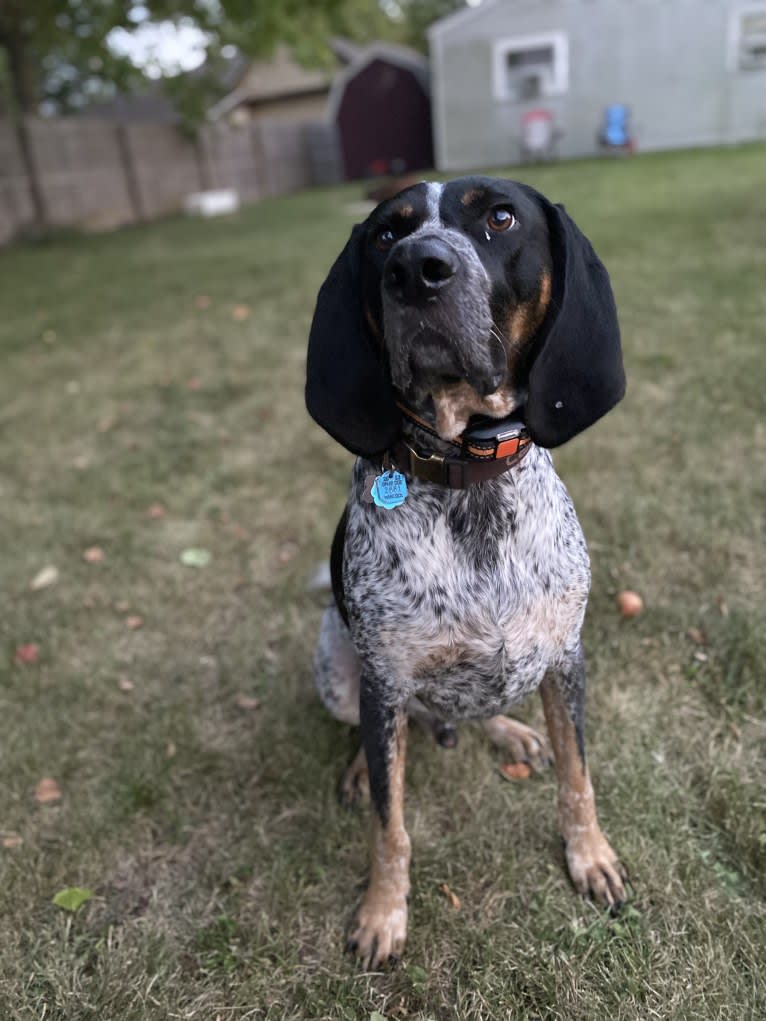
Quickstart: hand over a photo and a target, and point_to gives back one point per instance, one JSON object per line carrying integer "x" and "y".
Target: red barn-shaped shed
{"x": 381, "y": 108}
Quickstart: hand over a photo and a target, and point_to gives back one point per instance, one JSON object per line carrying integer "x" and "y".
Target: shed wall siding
{"x": 666, "y": 60}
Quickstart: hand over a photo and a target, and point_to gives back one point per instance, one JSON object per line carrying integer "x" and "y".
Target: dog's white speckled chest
{"x": 466, "y": 598}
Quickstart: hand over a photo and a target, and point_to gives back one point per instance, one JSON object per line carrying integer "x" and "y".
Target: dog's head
{"x": 474, "y": 297}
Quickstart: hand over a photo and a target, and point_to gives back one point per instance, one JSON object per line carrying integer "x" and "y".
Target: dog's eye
{"x": 501, "y": 218}
{"x": 385, "y": 239}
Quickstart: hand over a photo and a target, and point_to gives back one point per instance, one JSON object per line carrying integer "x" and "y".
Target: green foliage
{"x": 72, "y": 898}
{"x": 56, "y": 51}
{"x": 418, "y": 15}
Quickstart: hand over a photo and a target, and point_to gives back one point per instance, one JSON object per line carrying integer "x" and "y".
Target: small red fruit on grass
{"x": 630, "y": 603}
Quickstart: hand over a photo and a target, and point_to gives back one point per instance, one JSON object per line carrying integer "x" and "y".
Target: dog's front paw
{"x": 595, "y": 869}
{"x": 380, "y": 931}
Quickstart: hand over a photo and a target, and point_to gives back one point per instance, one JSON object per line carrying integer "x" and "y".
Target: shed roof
{"x": 276, "y": 77}
{"x": 402, "y": 56}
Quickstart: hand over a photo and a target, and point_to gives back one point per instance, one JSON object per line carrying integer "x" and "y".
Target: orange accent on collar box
{"x": 507, "y": 448}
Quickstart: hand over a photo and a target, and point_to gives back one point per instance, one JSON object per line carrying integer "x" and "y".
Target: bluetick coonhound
{"x": 464, "y": 329}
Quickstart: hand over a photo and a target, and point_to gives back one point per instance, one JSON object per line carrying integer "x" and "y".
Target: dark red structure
{"x": 382, "y": 110}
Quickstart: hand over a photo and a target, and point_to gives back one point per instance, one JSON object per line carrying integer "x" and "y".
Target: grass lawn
{"x": 223, "y": 871}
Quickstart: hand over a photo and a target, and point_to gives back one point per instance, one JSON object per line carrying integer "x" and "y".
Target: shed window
{"x": 747, "y": 39}
{"x": 531, "y": 67}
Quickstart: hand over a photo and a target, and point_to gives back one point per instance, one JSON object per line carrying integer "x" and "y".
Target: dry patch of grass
{"x": 223, "y": 870}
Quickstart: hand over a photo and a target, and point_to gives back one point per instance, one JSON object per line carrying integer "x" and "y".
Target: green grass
{"x": 223, "y": 870}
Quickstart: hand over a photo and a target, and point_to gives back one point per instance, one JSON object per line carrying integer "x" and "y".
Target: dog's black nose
{"x": 417, "y": 270}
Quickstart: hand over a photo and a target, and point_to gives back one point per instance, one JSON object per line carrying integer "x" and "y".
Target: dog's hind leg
{"x": 337, "y": 668}
{"x": 593, "y": 865}
{"x": 336, "y": 676}
{"x": 354, "y": 786}
{"x": 521, "y": 742}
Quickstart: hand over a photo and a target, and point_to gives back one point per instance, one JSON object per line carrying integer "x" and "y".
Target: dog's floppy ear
{"x": 348, "y": 390}
{"x": 577, "y": 373}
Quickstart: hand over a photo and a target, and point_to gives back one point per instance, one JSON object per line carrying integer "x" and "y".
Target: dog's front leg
{"x": 593, "y": 865}
{"x": 380, "y": 929}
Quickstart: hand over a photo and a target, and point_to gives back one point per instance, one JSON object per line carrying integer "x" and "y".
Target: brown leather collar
{"x": 478, "y": 458}
{"x": 454, "y": 472}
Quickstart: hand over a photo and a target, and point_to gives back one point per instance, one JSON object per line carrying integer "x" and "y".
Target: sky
{"x": 160, "y": 48}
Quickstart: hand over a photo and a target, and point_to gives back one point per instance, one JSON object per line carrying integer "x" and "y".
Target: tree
{"x": 419, "y": 14}
{"x": 58, "y": 51}
{"x": 39, "y": 39}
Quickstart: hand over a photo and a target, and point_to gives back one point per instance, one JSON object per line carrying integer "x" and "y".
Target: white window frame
{"x": 734, "y": 38}
{"x": 558, "y": 84}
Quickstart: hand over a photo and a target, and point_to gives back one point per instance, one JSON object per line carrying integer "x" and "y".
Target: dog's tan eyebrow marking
{"x": 472, "y": 195}
{"x": 406, "y": 210}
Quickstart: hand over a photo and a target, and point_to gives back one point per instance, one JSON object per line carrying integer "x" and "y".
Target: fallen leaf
{"x": 240, "y": 312}
{"x": 72, "y": 898}
{"x": 196, "y": 557}
{"x": 47, "y": 790}
{"x": 44, "y": 578}
{"x": 156, "y": 511}
{"x": 107, "y": 423}
{"x": 12, "y": 841}
{"x": 451, "y": 896}
{"x": 516, "y": 770}
{"x": 27, "y": 653}
{"x": 193, "y": 384}
{"x": 134, "y": 622}
{"x": 697, "y": 636}
{"x": 170, "y": 750}
{"x": 125, "y": 683}
{"x": 81, "y": 462}
{"x": 203, "y": 301}
{"x": 247, "y": 702}
{"x": 93, "y": 555}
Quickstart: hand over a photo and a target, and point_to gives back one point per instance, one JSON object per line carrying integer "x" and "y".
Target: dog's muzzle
{"x": 438, "y": 324}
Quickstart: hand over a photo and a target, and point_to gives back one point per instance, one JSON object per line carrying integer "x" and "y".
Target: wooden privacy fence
{"x": 97, "y": 174}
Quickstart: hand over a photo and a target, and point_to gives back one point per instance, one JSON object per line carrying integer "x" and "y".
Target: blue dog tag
{"x": 389, "y": 490}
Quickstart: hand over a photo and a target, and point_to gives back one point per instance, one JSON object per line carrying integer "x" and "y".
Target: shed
{"x": 381, "y": 108}
{"x": 692, "y": 74}
{"x": 278, "y": 88}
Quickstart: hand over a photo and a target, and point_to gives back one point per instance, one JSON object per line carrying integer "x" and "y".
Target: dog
{"x": 465, "y": 329}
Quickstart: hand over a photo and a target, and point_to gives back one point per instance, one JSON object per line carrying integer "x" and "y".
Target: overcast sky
{"x": 160, "y": 48}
